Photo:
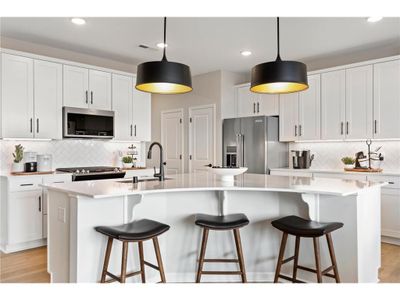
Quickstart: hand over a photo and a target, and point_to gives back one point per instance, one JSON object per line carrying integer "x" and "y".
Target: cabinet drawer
{"x": 394, "y": 182}
{"x": 57, "y": 178}
{"x": 25, "y": 183}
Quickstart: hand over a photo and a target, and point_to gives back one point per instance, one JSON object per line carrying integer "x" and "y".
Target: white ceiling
{"x": 206, "y": 44}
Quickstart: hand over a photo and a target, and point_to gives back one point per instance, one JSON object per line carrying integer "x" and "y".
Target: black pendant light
{"x": 164, "y": 77}
{"x": 279, "y": 76}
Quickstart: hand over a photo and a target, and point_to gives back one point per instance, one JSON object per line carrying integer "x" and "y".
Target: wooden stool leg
{"x": 159, "y": 259}
{"x": 202, "y": 254}
{"x": 141, "y": 257}
{"x": 124, "y": 261}
{"x": 280, "y": 258}
{"x": 106, "y": 259}
{"x": 333, "y": 257}
{"x": 239, "y": 251}
{"x": 317, "y": 259}
{"x": 296, "y": 258}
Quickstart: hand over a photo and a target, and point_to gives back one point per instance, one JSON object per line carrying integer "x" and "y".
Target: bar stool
{"x": 227, "y": 222}
{"x": 300, "y": 227}
{"x": 137, "y": 232}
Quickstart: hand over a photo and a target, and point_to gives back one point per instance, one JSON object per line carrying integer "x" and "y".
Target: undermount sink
{"x": 143, "y": 179}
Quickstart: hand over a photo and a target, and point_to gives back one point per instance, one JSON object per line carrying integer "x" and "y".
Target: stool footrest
{"x": 116, "y": 278}
{"x": 288, "y": 259}
{"x": 151, "y": 265}
{"x": 324, "y": 272}
{"x": 221, "y": 272}
{"x": 221, "y": 260}
{"x": 290, "y": 279}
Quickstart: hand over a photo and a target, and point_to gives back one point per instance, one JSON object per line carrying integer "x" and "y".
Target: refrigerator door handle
{"x": 242, "y": 149}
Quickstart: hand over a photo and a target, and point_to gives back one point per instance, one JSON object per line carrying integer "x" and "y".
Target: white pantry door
{"x": 172, "y": 140}
{"x": 201, "y": 137}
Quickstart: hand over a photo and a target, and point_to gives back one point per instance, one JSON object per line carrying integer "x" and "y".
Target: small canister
{"x": 31, "y": 166}
{"x": 44, "y": 163}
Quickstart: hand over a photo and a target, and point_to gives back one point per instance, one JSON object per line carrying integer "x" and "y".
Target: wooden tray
{"x": 363, "y": 170}
{"x": 31, "y": 173}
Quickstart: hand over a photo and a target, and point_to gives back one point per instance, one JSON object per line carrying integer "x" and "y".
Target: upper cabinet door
{"x": 359, "y": 103}
{"x": 100, "y": 90}
{"x": 387, "y": 100}
{"x": 309, "y": 110}
{"x": 141, "y": 116}
{"x": 76, "y": 87}
{"x": 48, "y": 99}
{"x": 268, "y": 105}
{"x": 246, "y": 101}
{"x": 122, "y": 90}
{"x": 17, "y": 96}
{"x": 333, "y": 105}
{"x": 288, "y": 117}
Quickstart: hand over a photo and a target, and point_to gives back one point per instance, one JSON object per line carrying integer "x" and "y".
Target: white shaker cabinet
{"x": 48, "y": 100}
{"x": 359, "y": 103}
{"x": 288, "y": 117}
{"x": 333, "y": 105}
{"x": 84, "y": 88}
{"x": 141, "y": 116}
{"x": 253, "y": 104}
{"x": 17, "y": 96}
{"x": 122, "y": 91}
{"x": 25, "y": 207}
{"x": 100, "y": 90}
{"x": 76, "y": 87}
{"x": 309, "y": 110}
{"x": 299, "y": 113}
{"x": 387, "y": 100}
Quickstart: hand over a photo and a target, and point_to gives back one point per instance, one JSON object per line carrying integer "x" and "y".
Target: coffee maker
{"x": 302, "y": 159}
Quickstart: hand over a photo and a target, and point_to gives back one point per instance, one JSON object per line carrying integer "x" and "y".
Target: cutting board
{"x": 31, "y": 173}
{"x": 366, "y": 170}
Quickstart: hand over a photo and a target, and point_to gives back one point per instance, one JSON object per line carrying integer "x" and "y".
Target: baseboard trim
{"x": 23, "y": 246}
{"x": 390, "y": 240}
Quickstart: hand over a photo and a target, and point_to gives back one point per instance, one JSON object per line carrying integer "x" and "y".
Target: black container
{"x": 31, "y": 167}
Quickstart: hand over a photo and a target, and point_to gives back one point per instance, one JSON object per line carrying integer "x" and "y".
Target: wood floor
{"x": 31, "y": 265}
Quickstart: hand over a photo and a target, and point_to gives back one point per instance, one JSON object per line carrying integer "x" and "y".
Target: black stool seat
{"x": 135, "y": 231}
{"x": 301, "y": 227}
{"x": 221, "y": 222}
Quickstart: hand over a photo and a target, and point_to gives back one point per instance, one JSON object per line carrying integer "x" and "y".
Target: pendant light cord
{"x": 278, "y": 57}
{"x": 165, "y": 39}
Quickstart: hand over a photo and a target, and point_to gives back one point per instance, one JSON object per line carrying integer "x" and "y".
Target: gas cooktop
{"x": 93, "y": 173}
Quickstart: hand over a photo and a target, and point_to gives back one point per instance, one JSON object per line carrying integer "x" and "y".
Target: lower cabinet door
{"x": 390, "y": 212}
{"x": 25, "y": 216}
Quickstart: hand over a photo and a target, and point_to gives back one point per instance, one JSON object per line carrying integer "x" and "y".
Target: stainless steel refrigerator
{"x": 253, "y": 142}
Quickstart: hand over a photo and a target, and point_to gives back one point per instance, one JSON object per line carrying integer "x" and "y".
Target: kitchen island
{"x": 76, "y": 250}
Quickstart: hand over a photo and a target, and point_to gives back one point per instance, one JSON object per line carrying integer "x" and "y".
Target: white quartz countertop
{"x": 340, "y": 171}
{"x": 210, "y": 182}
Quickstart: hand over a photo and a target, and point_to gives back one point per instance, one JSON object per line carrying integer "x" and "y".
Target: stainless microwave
{"x": 88, "y": 123}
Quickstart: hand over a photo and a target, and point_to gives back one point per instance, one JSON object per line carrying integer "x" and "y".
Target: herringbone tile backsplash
{"x": 70, "y": 153}
{"x": 328, "y": 154}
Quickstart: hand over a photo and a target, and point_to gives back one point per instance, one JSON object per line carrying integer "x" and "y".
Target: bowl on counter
{"x": 227, "y": 174}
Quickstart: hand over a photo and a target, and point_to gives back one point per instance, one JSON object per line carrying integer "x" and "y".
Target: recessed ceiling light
{"x": 374, "y": 19}
{"x": 78, "y": 21}
{"x": 162, "y": 45}
{"x": 245, "y": 52}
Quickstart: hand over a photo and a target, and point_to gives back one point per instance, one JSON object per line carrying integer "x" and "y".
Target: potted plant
{"x": 17, "y": 165}
{"x": 127, "y": 162}
{"x": 348, "y": 162}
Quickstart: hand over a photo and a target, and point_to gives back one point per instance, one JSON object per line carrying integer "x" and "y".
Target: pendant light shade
{"x": 164, "y": 77}
{"x": 279, "y": 76}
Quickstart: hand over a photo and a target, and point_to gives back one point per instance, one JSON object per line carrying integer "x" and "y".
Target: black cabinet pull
{"x": 87, "y": 97}
{"x": 26, "y": 184}
{"x": 299, "y": 130}
{"x": 341, "y": 128}
{"x": 347, "y": 127}
{"x": 254, "y": 107}
{"x": 40, "y": 203}
{"x": 258, "y": 107}
{"x": 131, "y": 129}
{"x": 375, "y": 126}
{"x": 37, "y": 125}
{"x": 91, "y": 97}
{"x": 295, "y": 130}
{"x": 31, "y": 124}
{"x": 135, "y": 130}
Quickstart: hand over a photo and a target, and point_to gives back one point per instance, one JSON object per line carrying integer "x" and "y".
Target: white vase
{"x": 349, "y": 166}
{"x": 17, "y": 167}
{"x": 127, "y": 165}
